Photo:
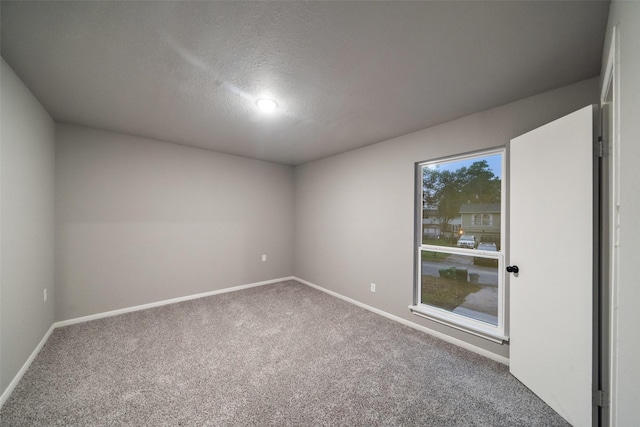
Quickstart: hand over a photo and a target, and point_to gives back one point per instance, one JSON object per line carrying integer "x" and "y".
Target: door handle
{"x": 513, "y": 269}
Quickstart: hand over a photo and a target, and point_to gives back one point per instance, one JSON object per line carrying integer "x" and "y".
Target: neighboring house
{"x": 482, "y": 220}
{"x": 432, "y": 224}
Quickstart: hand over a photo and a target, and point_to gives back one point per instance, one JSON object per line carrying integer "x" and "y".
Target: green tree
{"x": 446, "y": 190}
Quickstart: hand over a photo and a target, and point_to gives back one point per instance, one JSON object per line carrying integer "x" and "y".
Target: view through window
{"x": 460, "y": 252}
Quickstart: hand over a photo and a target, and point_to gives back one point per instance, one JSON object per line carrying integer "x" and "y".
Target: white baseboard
{"x": 5, "y": 395}
{"x": 165, "y": 302}
{"x": 406, "y": 322}
{"x": 21, "y": 372}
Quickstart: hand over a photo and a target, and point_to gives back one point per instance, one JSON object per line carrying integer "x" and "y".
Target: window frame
{"x": 496, "y": 333}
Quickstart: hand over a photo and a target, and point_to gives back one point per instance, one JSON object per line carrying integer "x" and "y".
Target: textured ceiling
{"x": 345, "y": 74}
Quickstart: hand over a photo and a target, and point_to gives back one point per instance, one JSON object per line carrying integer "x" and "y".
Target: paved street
{"x": 487, "y": 275}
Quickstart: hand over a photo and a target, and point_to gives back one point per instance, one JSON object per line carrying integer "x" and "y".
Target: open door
{"x": 551, "y": 243}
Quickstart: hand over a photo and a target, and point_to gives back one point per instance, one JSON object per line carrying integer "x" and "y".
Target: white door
{"x": 551, "y": 241}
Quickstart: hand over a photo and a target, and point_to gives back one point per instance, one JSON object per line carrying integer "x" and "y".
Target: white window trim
{"x": 496, "y": 333}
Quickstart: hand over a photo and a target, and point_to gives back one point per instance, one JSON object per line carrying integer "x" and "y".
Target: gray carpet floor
{"x": 280, "y": 355}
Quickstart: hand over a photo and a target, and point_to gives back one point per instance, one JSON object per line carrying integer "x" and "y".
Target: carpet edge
{"x": 444, "y": 337}
{"x": 167, "y": 302}
{"x": 16, "y": 379}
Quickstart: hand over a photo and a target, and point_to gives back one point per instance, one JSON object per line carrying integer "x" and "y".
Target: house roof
{"x": 480, "y": 208}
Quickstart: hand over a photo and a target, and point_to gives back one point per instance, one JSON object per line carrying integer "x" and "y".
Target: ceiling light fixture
{"x": 266, "y": 104}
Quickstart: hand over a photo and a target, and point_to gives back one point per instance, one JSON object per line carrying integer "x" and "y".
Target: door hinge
{"x": 602, "y": 148}
{"x": 600, "y": 398}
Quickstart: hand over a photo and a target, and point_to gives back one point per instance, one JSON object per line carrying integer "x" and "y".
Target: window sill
{"x": 468, "y": 325}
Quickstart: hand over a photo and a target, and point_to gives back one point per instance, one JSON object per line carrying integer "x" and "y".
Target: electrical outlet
{"x": 45, "y": 295}
{"x": 373, "y": 287}
{"x": 264, "y": 257}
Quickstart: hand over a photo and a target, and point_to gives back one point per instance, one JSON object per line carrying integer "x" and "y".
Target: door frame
{"x": 605, "y": 320}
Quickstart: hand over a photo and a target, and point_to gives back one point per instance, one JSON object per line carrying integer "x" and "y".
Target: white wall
{"x": 140, "y": 221}
{"x": 625, "y": 409}
{"x": 355, "y": 211}
{"x": 27, "y": 229}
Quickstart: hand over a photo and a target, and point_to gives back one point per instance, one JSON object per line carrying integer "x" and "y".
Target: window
{"x": 459, "y": 277}
{"x": 485, "y": 219}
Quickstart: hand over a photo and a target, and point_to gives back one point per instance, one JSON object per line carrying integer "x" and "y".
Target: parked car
{"x": 467, "y": 241}
{"x": 489, "y": 247}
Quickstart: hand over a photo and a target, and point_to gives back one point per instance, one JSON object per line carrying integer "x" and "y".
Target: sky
{"x": 494, "y": 160}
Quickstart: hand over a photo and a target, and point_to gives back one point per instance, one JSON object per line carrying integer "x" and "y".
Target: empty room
{"x": 319, "y": 213}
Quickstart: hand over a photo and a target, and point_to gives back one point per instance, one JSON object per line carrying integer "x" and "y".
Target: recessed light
{"x": 266, "y": 104}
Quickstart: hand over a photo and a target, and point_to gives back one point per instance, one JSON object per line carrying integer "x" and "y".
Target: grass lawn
{"x": 445, "y": 293}
{"x": 434, "y": 256}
